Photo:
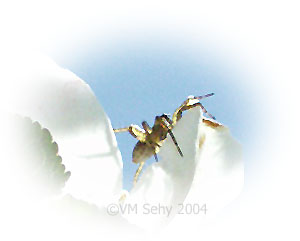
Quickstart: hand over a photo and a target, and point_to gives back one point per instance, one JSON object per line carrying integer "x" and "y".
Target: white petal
{"x": 63, "y": 103}
{"x": 219, "y": 175}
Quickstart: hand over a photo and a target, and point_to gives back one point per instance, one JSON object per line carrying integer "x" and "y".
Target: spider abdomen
{"x": 142, "y": 151}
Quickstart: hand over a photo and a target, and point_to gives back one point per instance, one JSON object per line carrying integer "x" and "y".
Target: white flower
{"x": 211, "y": 171}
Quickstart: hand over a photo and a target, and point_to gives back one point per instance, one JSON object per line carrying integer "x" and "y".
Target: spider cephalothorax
{"x": 151, "y": 139}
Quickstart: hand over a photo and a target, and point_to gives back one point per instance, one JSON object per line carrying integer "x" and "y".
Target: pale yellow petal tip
{"x": 211, "y": 123}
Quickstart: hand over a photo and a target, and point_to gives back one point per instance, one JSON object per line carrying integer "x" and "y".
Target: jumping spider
{"x": 150, "y": 139}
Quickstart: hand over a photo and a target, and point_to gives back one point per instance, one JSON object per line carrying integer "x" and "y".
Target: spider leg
{"x": 168, "y": 123}
{"x": 137, "y": 173}
{"x": 204, "y": 96}
{"x": 205, "y": 111}
{"x": 146, "y": 127}
{"x": 187, "y": 107}
{"x": 175, "y": 142}
{"x": 121, "y": 129}
{"x": 135, "y": 131}
{"x": 189, "y": 104}
{"x": 178, "y": 112}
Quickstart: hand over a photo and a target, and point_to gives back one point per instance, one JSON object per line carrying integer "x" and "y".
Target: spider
{"x": 150, "y": 139}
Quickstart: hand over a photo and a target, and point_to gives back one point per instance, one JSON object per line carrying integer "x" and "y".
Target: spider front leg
{"x": 190, "y": 103}
{"x": 203, "y": 109}
{"x": 135, "y": 131}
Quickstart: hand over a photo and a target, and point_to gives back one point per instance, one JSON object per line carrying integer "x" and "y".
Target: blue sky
{"x": 135, "y": 81}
